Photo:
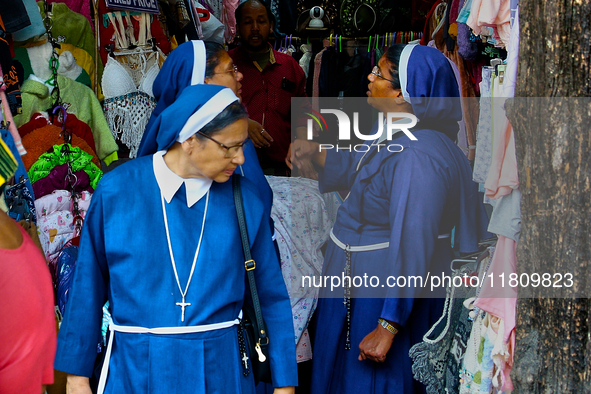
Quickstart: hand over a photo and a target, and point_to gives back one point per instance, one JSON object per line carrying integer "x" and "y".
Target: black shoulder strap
{"x": 249, "y": 263}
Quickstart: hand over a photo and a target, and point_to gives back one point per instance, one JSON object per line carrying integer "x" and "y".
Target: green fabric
{"x": 80, "y": 161}
{"x": 22, "y": 55}
{"x": 75, "y": 28}
{"x": 79, "y": 100}
{"x": 261, "y": 58}
{"x": 8, "y": 163}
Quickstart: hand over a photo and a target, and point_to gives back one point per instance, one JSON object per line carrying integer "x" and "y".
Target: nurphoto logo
{"x": 394, "y": 122}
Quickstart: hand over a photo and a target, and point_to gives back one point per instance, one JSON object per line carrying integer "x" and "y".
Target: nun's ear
{"x": 398, "y": 96}
{"x": 189, "y": 144}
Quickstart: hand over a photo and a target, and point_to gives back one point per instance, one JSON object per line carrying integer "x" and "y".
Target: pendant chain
{"x": 183, "y": 304}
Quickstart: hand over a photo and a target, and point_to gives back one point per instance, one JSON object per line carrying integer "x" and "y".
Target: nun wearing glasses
{"x": 396, "y": 223}
{"x": 176, "y": 295}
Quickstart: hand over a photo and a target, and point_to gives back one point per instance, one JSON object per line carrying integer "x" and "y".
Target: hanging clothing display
{"x": 108, "y": 70}
{"x": 81, "y": 101}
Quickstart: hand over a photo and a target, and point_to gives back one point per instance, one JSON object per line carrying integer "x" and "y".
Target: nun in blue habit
{"x": 192, "y": 63}
{"x": 402, "y": 207}
{"x": 161, "y": 243}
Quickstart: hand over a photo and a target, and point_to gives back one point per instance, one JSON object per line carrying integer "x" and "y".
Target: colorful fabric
{"x": 55, "y": 230}
{"x": 303, "y": 219}
{"x": 36, "y": 27}
{"x": 11, "y": 126}
{"x": 79, "y": 6}
{"x": 43, "y": 140}
{"x": 10, "y": 77}
{"x": 8, "y": 164}
{"x": 80, "y": 100}
{"x": 74, "y": 27}
{"x": 58, "y": 180}
{"x": 80, "y": 160}
{"x": 59, "y": 200}
{"x": 21, "y": 172}
{"x": 77, "y": 127}
{"x": 35, "y": 60}
{"x": 21, "y": 191}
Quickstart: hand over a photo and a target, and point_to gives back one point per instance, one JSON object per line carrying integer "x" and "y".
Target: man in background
{"x": 271, "y": 79}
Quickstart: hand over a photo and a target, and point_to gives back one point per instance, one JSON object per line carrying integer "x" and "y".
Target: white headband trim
{"x": 206, "y": 113}
{"x": 402, "y": 70}
{"x": 199, "y": 62}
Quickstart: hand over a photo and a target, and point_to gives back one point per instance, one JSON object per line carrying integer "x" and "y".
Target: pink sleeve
{"x": 497, "y": 300}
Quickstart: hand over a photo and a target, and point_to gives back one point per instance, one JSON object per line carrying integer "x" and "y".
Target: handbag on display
{"x": 254, "y": 330}
{"x": 437, "y": 359}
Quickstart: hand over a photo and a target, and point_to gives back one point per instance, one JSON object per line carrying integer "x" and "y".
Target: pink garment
{"x": 10, "y": 121}
{"x": 79, "y": 6}
{"x": 496, "y": 13}
{"x": 502, "y": 302}
{"x": 502, "y": 176}
{"x": 304, "y": 348}
{"x": 60, "y": 200}
{"x": 229, "y": 18}
{"x": 28, "y": 331}
{"x": 494, "y": 298}
{"x": 315, "y": 84}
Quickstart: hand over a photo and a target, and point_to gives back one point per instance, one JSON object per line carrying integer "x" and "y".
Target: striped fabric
{"x": 8, "y": 164}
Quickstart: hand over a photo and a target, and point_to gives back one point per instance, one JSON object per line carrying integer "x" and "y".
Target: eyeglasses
{"x": 377, "y": 73}
{"x": 234, "y": 70}
{"x": 231, "y": 151}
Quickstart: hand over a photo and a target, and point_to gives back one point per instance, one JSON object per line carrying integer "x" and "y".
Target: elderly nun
{"x": 161, "y": 243}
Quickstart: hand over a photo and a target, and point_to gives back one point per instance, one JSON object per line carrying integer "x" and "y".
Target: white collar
{"x": 169, "y": 182}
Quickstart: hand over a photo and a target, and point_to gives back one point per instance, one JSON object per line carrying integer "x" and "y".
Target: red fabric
{"x": 428, "y": 29}
{"x": 107, "y": 32}
{"x": 43, "y": 139}
{"x": 262, "y": 94}
{"x": 28, "y": 333}
{"x": 75, "y": 125}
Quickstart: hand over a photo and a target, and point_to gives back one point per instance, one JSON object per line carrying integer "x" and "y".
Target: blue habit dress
{"x": 407, "y": 199}
{"x": 124, "y": 258}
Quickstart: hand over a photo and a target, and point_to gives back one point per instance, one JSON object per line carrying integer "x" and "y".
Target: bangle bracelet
{"x": 384, "y": 323}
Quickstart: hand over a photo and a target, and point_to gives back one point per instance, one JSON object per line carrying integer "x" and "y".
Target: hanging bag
{"x": 253, "y": 326}
{"x": 436, "y": 360}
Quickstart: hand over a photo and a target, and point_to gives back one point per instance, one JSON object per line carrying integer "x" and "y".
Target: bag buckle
{"x": 249, "y": 265}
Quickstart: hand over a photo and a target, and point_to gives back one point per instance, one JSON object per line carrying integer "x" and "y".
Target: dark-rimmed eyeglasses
{"x": 376, "y": 71}
{"x": 231, "y": 151}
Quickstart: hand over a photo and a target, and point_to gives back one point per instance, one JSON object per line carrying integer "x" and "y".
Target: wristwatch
{"x": 384, "y": 323}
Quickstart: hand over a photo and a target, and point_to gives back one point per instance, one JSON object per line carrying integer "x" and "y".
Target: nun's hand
{"x": 284, "y": 390}
{"x": 77, "y": 385}
{"x": 259, "y": 136}
{"x": 375, "y": 345}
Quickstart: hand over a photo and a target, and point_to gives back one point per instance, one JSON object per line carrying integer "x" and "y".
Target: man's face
{"x": 254, "y": 27}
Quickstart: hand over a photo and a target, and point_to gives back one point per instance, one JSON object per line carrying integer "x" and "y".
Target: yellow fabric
{"x": 111, "y": 158}
{"x": 8, "y": 163}
{"x": 173, "y": 43}
{"x": 3, "y": 206}
{"x": 84, "y": 60}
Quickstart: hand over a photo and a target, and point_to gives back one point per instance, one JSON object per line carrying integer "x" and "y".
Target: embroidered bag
{"x": 437, "y": 360}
